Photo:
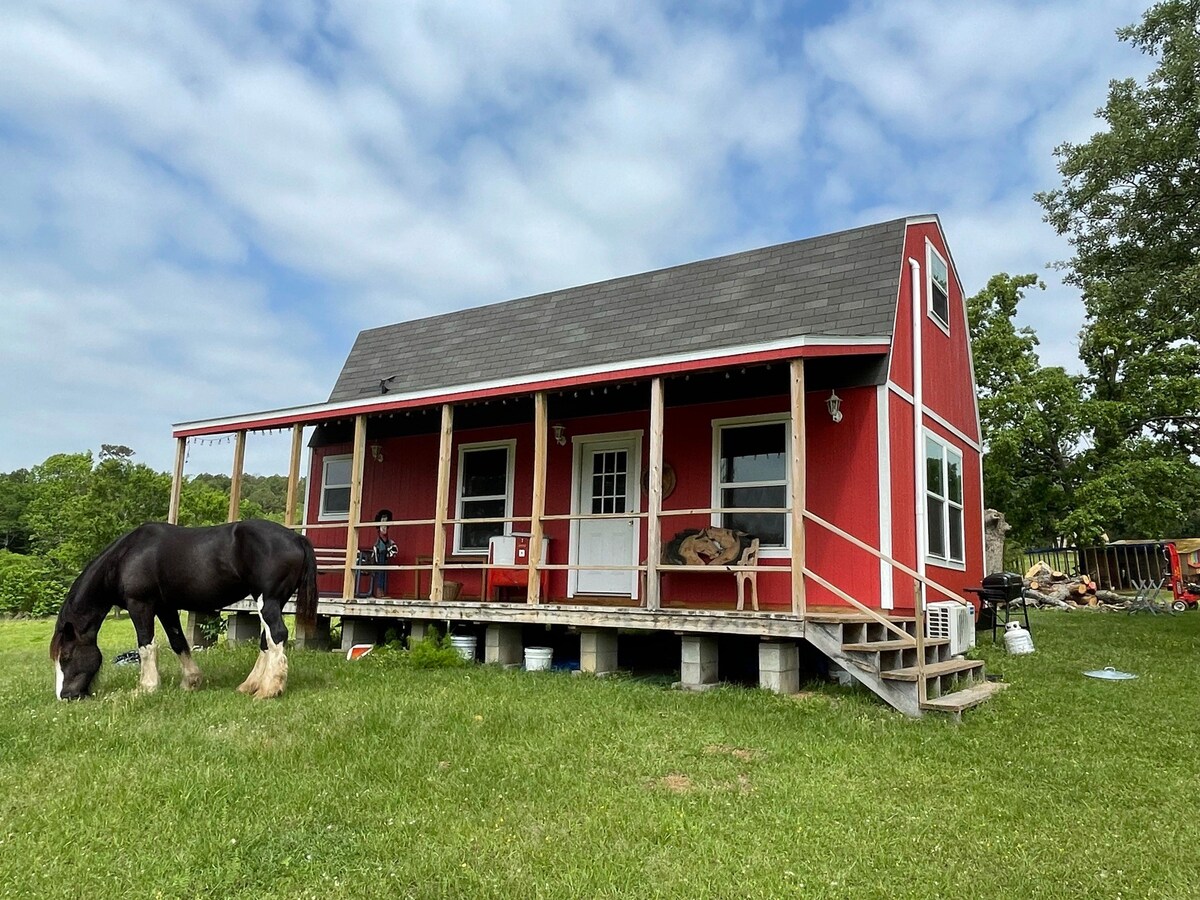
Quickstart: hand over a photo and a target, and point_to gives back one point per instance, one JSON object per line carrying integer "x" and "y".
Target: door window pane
{"x": 609, "y": 481}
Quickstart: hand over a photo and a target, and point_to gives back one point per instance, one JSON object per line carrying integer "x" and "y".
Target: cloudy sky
{"x": 201, "y": 205}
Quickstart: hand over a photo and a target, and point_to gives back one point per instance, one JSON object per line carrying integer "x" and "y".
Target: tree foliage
{"x": 1113, "y": 452}
{"x": 1031, "y": 415}
{"x": 58, "y": 516}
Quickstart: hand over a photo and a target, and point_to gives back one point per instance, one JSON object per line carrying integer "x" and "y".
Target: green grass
{"x": 377, "y": 779}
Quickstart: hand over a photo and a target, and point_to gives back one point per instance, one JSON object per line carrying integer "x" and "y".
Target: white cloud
{"x": 200, "y": 210}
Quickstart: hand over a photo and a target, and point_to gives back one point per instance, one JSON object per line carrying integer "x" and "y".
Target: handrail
{"x": 941, "y": 589}
{"x": 881, "y": 619}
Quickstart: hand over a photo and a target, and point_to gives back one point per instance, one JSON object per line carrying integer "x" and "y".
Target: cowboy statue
{"x": 385, "y": 549}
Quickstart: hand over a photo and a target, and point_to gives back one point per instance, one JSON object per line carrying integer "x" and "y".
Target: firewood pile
{"x": 1050, "y": 589}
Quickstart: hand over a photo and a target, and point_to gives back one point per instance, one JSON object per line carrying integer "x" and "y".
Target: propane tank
{"x": 1017, "y": 639}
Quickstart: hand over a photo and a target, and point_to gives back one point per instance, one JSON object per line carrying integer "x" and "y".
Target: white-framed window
{"x": 751, "y": 470}
{"x": 335, "y": 487}
{"x": 943, "y": 501}
{"x": 938, "y": 287}
{"x": 485, "y": 491}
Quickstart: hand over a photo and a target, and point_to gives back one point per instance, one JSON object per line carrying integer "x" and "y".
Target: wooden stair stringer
{"x": 864, "y": 668}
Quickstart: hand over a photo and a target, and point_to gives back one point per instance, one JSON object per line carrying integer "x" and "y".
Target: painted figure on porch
{"x": 385, "y": 549}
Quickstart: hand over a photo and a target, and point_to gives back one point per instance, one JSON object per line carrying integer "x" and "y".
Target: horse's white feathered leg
{"x": 148, "y": 681}
{"x": 191, "y": 677}
{"x": 268, "y": 678}
{"x": 254, "y": 679}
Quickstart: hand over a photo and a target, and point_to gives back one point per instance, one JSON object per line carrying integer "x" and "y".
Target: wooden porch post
{"x": 799, "y": 473}
{"x": 541, "y": 443}
{"x": 653, "y": 527}
{"x": 235, "y": 480}
{"x": 437, "y": 580}
{"x": 177, "y": 481}
{"x": 289, "y": 516}
{"x": 355, "y": 514}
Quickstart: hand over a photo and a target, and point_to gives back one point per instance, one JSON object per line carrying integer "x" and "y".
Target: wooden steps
{"x": 873, "y": 655}
{"x": 958, "y": 701}
{"x": 876, "y": 646}
{"x": 933, "y": 670}
{"x": 836, "y": 617}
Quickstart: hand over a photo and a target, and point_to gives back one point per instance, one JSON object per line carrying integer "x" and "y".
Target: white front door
{"x": 606, "y": 484}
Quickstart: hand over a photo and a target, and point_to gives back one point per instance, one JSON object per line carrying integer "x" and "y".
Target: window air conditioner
{"x": 956, "y": 621}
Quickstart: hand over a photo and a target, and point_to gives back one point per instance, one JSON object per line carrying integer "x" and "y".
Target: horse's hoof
{"x": 268, "y": 694}
{"x": 190, "y": 684}
{"x": 247, "y": 687}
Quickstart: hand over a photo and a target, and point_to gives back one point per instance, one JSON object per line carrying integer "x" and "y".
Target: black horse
{"x": 159, "y": 569}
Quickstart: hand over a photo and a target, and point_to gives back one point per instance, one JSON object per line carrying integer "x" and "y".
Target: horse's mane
{"x": 94, "y": 577}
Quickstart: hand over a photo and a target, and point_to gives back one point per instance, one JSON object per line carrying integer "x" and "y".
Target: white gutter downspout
{"x": 918, "y": 418}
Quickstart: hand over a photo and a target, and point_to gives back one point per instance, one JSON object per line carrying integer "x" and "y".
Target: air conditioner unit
{"x": 956, "y": 621}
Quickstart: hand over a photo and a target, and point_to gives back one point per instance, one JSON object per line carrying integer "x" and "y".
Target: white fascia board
{"x": 393, "y": 398}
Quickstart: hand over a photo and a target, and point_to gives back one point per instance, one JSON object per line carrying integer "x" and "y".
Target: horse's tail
{"x": 306, "y": 591}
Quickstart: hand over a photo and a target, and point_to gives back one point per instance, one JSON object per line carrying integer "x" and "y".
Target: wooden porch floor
{"x": 594, "y": 612}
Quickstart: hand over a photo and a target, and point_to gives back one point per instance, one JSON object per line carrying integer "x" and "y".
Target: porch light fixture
{"x": 377, "y": 453}
{"x": 560, "y": 434}
{"x": 835, "y": 406}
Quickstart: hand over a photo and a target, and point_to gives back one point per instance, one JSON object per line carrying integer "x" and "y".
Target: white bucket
{"x": 465, "y": 645}
{"x": 537, "y": 659}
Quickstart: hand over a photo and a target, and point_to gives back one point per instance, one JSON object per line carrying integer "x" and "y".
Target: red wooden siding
{"x": 948, "y": 386}
{"x": 956, "y": 578}
{"x": 842, "y": 487}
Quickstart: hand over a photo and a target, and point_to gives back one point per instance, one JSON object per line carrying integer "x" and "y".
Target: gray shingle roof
{"x": 840, "y": 285}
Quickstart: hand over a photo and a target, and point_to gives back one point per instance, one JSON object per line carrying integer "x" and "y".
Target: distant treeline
{"x": 57, "y": 516}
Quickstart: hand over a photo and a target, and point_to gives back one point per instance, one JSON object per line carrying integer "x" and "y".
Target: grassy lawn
{"x": 378, "y": 779}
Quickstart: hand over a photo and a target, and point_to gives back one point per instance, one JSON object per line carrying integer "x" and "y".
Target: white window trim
{"x": 930, "y": 254}
{"x": 945, "y": 562}
{"x": 322, "y": 515}
{"x": 784, "y": 552}
{"x": 463, "y": 450}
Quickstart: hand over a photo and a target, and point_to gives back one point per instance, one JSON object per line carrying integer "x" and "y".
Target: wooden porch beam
{"x": 799, "y": 474}
{"x": 541, "y": 444}
{"x": 354, "y": 517}
{"x": 653, "y": 599}
{"x": 177, "y": 481}
{"x": 235, "y": 480}
{"x": 437, "y": 579}
{"x": 289, "y": 515}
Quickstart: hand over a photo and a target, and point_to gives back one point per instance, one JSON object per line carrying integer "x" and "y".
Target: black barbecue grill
{"x": 1000, "y": 590}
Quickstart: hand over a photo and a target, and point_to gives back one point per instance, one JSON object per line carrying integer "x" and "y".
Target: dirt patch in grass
{"x": 741, "y": 753}
{"x": 676, "y": 783}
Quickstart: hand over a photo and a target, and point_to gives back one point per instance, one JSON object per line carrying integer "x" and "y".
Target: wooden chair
{"x": 749, "y": 557}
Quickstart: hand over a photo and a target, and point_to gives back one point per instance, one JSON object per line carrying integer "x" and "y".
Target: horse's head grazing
{"x": 76, "y": 661}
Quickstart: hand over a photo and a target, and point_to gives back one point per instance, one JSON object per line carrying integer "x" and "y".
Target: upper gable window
{"x": 939, "y": 289}
{"x": 335, "y": 487}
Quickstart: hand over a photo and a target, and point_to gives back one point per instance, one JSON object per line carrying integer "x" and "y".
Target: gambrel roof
{"x": 840, "y": 286}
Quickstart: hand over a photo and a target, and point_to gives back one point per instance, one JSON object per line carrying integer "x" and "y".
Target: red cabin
{"x": 796, "y": 424}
